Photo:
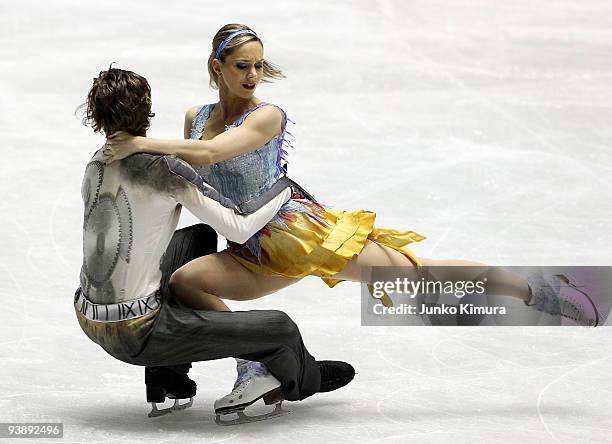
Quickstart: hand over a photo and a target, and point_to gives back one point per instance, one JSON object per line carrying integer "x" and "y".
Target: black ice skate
{"x": 334, "y": 374}
{"x": 162, "y": 383}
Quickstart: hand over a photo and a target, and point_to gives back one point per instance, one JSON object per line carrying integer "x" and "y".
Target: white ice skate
{"x": 254, "y": 382}
{"x": 559, "y": 295}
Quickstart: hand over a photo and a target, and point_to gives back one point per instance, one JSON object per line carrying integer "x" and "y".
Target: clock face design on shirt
{"x": 107, "y": 235}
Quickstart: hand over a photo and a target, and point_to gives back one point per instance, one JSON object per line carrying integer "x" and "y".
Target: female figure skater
{"x": 237, "y": 146}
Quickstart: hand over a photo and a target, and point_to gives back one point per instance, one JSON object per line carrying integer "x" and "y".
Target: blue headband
{"x": 230, "y": 37}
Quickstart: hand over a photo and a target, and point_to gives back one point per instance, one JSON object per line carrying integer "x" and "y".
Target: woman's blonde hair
{"x": 270, "y": 71}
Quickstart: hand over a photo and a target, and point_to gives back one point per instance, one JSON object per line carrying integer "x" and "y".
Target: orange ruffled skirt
{"x": 321, "y": 243}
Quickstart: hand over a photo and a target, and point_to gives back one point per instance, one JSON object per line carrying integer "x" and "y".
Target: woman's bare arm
{"x": 256, "y": 130}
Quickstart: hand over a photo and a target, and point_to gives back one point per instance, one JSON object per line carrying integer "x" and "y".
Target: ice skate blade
{"x": 155, "y": 412}
{"x": 271, "y": 397}
{"x": 244, "y": 419}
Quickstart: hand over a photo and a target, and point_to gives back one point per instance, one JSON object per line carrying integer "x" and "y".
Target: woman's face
{"x": 242, "y": 70}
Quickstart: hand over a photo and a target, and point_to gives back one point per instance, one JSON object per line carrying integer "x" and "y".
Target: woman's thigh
{"x": 375, "y": 255}
{"x": 223, "y": 276}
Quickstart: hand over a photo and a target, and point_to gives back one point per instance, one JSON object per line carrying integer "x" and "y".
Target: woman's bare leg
{"x": 499, "y": 282}
{"x": 202, "y": 282}
{"x": 376, "y": 255}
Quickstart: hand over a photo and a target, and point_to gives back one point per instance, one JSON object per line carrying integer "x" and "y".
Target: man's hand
{"x": 120, "y": 145}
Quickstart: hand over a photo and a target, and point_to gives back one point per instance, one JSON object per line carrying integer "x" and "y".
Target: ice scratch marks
{"x": 550, "y": 384}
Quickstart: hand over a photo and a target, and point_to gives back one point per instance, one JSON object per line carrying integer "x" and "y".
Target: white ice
{"x": 485, "y": 126}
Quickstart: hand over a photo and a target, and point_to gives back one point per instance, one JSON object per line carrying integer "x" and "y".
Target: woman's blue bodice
{"x": 248, "y": 175}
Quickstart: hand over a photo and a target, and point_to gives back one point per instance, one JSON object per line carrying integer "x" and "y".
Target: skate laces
{"x": 548, "y": 297}
{"x": 570, "y": 309}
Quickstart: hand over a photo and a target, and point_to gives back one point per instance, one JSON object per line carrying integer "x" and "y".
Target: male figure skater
{"x": 123, "y": 302}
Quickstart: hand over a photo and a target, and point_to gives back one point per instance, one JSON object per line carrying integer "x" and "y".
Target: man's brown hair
{"x": 119, "y": 100}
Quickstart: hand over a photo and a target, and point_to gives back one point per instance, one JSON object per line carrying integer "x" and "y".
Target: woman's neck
{"x": 231, "y": 106}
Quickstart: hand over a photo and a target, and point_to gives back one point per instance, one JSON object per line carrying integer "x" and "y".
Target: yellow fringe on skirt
{"x": 302, "y": 246}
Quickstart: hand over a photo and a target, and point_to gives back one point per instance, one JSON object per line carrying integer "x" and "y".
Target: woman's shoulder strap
{"x": 197, "y": 126}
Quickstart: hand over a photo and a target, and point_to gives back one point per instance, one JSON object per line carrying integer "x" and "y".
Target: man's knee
{"x": 282, "y": 325}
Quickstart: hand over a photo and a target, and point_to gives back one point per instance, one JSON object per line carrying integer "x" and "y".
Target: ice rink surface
{"x": 483, "y": 125}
